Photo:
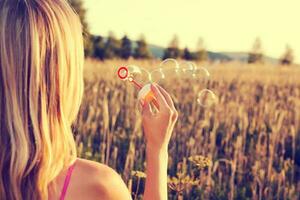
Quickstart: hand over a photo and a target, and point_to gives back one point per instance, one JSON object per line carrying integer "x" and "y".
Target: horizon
{"x": 239, "y": 23}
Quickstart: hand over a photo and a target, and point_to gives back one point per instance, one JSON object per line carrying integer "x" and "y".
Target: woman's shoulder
{"x": 94, "y": 170}
{"x": 92, "y": 180}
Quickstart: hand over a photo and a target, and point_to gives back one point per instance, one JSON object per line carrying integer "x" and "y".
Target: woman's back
{"x": 90, "y": 181}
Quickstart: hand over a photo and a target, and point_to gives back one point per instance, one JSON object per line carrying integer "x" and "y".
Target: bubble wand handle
{"x": 136, "y": 84}
{"x": 155, "y": 103}
{"x": 148, "y": 96}
{"x": 123, "y": 74}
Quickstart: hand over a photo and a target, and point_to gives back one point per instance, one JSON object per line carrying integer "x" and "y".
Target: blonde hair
{"x": 41, "y": 86}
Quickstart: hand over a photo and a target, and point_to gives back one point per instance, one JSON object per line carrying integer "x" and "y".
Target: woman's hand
{"x": 158, "y": 126}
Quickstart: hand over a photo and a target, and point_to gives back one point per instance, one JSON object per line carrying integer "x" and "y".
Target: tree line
{"x": 107, "y": 48}
{"x": 110, "y": 47}
{"x": 256, "y": 54}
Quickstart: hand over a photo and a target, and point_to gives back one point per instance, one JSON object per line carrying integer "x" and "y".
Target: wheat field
{"x": 247, "y": 146}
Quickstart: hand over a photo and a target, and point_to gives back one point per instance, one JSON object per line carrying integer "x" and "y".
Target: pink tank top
{"x": 66, "y": 183}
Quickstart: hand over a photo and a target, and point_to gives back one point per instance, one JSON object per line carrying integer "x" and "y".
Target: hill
{"x": 243, "y": 57}
{"x": 158, "y": 51}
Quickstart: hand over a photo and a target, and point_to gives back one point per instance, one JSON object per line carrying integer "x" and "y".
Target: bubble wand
{"x": 145, "y": 92}
{"x": 124, "y": 74}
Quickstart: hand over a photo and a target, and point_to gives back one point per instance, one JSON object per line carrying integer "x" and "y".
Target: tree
{"x": 187, "y": 55}
{"x": 81, "y": 11}
{"x": 98, "y": 46}
{"x": 172, "y": 51}
{"x": 112, "y": 47}
{"x": 201, "y": 53}
{"x": 142, "y": 51}
{"x": 288, "y": 56}
{"x": 125, "y": 51}
{"x": 256, "y": 55}
{"x": 88, "y": 45}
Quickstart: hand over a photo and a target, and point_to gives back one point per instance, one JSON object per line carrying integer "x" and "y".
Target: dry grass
{"x": 251, "y": 137}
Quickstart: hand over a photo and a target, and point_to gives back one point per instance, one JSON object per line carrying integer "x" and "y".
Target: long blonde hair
{"x": 41, "y": 86}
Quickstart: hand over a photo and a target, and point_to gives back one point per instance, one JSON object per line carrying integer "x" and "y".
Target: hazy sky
{"x": 225, "y": 25}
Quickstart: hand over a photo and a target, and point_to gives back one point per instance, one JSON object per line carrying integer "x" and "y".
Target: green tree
{"x": 288, "y": 56}
{"x": 126, "y": 48}
{"x": 88, "y": 45}
{"x": 201, "y": 53}
{"x": 81, "y": 11}
{"x": 112, "y": 47}
{"x": 142, "y": 51}
{"x": 99, "y": 44}
{"x": 187, "y": 55}
{"x": 256, "y": 55}
{"x": 173, "y": 50}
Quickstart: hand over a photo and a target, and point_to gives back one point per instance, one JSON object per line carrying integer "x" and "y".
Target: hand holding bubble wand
{"x": 205, "y": 97}
{"x": 145, "y": 92}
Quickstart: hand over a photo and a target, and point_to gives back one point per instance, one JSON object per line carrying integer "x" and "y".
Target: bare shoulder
{"x": 95, "y": 170}
{"x": 92, "y": 180}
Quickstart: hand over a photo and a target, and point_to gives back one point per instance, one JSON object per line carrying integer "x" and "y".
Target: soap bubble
{"x": 200, "y": 73}
{"x": 169, "y": 63}
{"x": 162, "y": 74}
{"x": 157, "y": 75}
{"x": 207, "y": 98}
{"x": 134, "y": 69}
{"x": 187, "y": 67}
{"x": 170, "y": 68}
{"x": 172, "y": 72}
{"x": 140, "y": 75}
{"x": 192, "y": 72}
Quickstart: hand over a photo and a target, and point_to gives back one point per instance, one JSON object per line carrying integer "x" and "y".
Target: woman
{"x": 41, "y": 86}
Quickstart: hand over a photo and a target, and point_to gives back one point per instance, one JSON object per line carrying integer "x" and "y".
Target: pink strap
{"x": 66, "y": 183}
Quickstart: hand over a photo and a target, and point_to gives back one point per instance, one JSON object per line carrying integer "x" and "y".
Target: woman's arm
{"x": 158, "y": 128}
{"x": 105, "y": 183}
{"x": 156, "y": 181}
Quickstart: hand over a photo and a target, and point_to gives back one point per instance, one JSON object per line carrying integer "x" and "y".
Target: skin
{"x": 91, "y": 180}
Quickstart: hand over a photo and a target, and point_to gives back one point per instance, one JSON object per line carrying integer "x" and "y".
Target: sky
{"x": 224, "y": 25}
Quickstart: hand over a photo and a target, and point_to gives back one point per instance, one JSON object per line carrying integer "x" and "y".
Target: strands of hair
{"x": 41, "y": 61}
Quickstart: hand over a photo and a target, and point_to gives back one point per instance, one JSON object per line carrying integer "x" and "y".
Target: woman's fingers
{"x": 163, "y": 105}
{"x": 146, "y": 110}
{"x": 167, "y": 97}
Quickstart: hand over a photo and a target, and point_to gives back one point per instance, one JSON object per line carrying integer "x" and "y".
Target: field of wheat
{"x": 247, "y": 146}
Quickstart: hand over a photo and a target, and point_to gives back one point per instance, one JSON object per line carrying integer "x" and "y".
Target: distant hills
{"x": 243, "y": 57}
{"x": 158, "y": 51}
